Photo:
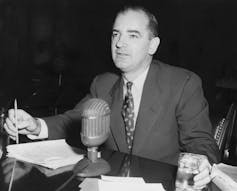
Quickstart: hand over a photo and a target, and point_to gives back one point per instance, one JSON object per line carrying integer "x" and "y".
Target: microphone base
{"x": 96, "y": 168}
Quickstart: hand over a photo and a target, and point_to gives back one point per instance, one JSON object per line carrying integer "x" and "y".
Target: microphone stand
{"x": 80, "y": 166}
{"x": 94, "y": 131}
{"x": 97, "y": 166}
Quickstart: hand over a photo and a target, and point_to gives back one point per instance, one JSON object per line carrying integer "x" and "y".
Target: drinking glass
{"x": 188, "y": 167}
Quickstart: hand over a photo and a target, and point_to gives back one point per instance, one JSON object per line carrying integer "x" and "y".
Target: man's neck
{"x": 131, "y": 76}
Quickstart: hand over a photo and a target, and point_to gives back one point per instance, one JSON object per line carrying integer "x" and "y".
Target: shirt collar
{"x": 139, "y": 81}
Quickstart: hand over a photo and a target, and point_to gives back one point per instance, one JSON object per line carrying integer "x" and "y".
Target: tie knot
{"x": 129, "y": 86}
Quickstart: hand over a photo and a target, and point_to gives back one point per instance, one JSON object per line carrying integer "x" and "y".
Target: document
{"x": 52, "y": 172}
{"x": 108, "y": 183}
{"x": 118, "y": 186}
{"x": 52, "y": 154}
{"x": 135, "y": 180}
{"x": 225, "y": 176}
{"x": 89, "y": 184}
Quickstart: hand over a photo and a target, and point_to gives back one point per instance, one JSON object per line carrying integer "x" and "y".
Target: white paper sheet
{"x": 89, "y": 184}
{"x": 135, "y": 180}
{"x": 51, "y": 154}
{"x": 52, "y": 172}
{"x": 125, "y": 186}
{"x": 225, "y": 176}
{"x": 108, "y": 183}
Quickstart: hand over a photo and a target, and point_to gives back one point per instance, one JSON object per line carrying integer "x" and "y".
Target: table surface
{"x": 35, "y": 178}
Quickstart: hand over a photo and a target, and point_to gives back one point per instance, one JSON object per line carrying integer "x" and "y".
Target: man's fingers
{"x": 202, "y": 175}
{"x": 203, "y": 178}
{"x": 24, "y": 132}
{"x": 21, "y": 115}
{"x": 202, "y": 182}
{"x": 11, "y": 115}
{"x": 10, "y": 129}
{"x": 204, "y": 164}
{"x": 23, "y": 125}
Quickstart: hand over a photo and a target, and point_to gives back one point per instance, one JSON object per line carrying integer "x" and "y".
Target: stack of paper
{"x": 52, "y": 172}
{"x": 224, "y": 176}
{"x": 108, "y": 183}
{"x": 51, "y": 154}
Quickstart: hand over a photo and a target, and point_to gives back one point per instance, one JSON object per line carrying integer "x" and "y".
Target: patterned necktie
{"x": 126, "y": 165}
{"x": 128, "y": 116}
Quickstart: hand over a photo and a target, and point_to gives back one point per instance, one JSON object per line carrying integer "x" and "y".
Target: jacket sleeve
{"x": 195, "y": 129}
{"x": 68, "y": 124}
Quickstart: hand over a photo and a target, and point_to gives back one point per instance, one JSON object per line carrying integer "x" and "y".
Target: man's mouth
{"x": 121, "y": 54}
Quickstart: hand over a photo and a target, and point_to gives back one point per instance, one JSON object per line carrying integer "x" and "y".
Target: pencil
{"x": 16, "y": 123}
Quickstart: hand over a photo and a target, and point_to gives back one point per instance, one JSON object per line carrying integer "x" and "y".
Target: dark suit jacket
{"x": 173, "y": 115}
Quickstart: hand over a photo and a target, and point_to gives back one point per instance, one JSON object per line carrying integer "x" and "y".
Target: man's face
{"x": 130, "y": 41}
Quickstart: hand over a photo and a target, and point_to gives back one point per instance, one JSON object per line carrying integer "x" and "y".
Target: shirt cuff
{"x": 43, "y": 132}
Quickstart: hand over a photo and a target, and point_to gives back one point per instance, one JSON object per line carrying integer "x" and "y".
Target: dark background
{"x": 50, "y": 50}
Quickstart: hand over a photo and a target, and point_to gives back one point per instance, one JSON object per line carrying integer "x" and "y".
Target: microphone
{"x": 95, "y": 130}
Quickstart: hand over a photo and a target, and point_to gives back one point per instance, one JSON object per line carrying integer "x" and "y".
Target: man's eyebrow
{"x": 129, "y": 31}
{"x": 115, "y": 30}
{"x": 134, "y": 31}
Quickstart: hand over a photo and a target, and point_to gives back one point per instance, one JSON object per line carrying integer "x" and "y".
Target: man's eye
{"x": 133, "y": 36}
{"x": 114, "y": 35}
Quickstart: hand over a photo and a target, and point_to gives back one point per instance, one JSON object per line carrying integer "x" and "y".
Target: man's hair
{"x": 152, "y": 21}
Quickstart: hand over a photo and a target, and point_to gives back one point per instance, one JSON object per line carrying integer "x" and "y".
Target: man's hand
{"x": 27, "y": 125}
{"x": 203, "y": 177}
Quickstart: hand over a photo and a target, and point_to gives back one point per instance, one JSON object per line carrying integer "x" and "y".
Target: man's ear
{"x": 154, "y": 45}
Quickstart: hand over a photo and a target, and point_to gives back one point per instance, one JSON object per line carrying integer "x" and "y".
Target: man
{"x": 168, "y": 112}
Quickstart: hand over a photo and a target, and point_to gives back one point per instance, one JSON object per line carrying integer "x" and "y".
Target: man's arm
{"x": 195, "y": 128}
{"x": 68, "y": 124}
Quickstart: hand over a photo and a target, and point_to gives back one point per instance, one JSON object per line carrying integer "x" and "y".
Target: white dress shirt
{"x": 137, "y": 89}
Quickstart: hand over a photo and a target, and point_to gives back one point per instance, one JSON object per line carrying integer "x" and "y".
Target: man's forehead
{"x": 131, "y": 20}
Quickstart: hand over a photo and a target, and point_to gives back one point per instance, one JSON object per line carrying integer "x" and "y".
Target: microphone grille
{"x": 94, "y": 108}
{"x": 95, "y": 122}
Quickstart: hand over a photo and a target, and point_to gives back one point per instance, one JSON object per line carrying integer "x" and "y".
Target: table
{"x": 33, "y": 178}
{"x": 29, "y": 177}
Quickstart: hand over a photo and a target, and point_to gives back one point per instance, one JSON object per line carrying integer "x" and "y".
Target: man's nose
{"x": 121, "y": 42}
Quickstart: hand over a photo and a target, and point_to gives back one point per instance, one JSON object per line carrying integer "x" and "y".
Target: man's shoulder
{"x": 103, "y": 83}
{"x": 107, "y": 78}
{"x": 174, "y": 72}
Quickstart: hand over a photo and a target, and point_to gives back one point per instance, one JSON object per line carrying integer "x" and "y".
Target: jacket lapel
{"x": 149, "y": 108}
{"x": 117, "y": 124}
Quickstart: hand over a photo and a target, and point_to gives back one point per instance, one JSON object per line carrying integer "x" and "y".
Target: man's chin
{"x": 121, "y": 64}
